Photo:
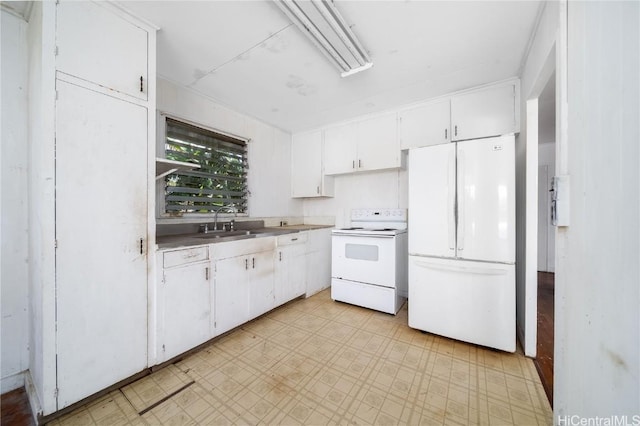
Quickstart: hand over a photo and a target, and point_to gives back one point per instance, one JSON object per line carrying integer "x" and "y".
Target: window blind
{"x": 221, "y": 181}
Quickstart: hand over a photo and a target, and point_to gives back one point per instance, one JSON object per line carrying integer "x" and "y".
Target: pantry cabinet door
{"x": 101, "y": 237}
{"x": 113, "y": 50}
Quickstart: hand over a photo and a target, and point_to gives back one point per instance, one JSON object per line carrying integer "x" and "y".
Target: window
{"x": 221, "y": 181}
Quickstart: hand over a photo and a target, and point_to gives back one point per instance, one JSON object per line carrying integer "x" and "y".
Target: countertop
{"x": 188, "y": 240}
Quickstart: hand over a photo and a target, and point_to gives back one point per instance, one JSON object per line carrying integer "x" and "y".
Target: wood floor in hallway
{"x": 544, "y": 358}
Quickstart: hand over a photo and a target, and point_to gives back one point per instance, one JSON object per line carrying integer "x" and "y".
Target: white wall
{"x": 384, "y": 189}
{"x": 597, "y": 350}
{"x": 13, "y": 233}
{"x": 534, "y": 76}
{"x": 269, "y": 150}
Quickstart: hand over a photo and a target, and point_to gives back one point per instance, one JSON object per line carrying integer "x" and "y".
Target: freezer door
{"x": 432, "y": 200}
{"x": 469, "y": 301}
{"x": 486, "y": 199}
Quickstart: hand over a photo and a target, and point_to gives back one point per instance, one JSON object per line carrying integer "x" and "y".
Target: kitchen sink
{"x": 260, "y": 232}
{"x": 224, "y": 234}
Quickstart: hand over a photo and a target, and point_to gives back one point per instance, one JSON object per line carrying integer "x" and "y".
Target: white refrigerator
{"x": 462, "y": 241}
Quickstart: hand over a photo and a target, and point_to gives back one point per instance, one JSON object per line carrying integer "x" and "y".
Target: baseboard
{"x": 13, "y": 382}
{"x": 34, "y": 399}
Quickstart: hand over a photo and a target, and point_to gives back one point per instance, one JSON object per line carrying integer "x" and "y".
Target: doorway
{"x": 546, "y": 235}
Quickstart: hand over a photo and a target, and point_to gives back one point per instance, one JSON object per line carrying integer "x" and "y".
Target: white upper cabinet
{"x": 424, "y": 125}
{"x": 365, "y": 145}
{"x": 484, "y": 113}
{"x": 307, "y": 178}
{"x": 96, "y": 45}
{"x": 378, "y": 147}
{"x": 341, "y": 149}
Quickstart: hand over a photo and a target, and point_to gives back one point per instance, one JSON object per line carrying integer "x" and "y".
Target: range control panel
{"x": 379, "y": 215}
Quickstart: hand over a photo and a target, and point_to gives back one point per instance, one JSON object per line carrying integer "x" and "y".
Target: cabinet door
{"x": 378, "y": 143}
{"x": 318, "y": 261}
{"x": 231, "y": 293}
{"x": 425, "y": 125}
{"x": 306, "y": 164}
{"x": 101, "y": 231}
{"x": 96, "y": 45}
{"x": 290, "y": 273}
{"x": 489, "y": 112}
{"x": 186, "y": 313}
{"x": 261, "y": 283}
{"x": 340, "y": 149}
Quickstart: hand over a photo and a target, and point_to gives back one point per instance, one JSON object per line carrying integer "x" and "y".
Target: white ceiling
{"x": 248, "y": 56}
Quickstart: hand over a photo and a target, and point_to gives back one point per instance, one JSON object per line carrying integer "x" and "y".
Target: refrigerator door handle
{"x": 460, "y": 269}
{"x": 451, "y": 227}
{"x": 461, "y": 197}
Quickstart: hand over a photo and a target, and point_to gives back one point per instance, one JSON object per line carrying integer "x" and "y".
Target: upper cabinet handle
{"x": 141, "y": 84}
{"x": 445, "y": 133}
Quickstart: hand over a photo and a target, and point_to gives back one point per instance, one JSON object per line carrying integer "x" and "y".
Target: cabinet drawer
{"x": 185, "y": 256}
{"x": 295, "y": 238}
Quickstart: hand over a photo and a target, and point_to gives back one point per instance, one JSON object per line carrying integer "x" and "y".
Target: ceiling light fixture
{"x": 321, "y": 22}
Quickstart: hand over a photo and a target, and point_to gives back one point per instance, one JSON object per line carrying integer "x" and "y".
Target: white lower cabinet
{"x": 184, "y": 301}
{"x": 243, "y": 281}
{"x": 261, "y": 284}
{"x": 231, "y": 293}
{"x": 187, "y": 303}
{"x": 290, "y": 267}
{"x": 205, "y": 291}
{"x": 318, "y": 261}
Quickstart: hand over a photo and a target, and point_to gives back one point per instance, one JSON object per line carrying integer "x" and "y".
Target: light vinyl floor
{"x": 315, "y": 362}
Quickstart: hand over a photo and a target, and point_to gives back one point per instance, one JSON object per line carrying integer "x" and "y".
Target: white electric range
{"x": 369, "y": 260}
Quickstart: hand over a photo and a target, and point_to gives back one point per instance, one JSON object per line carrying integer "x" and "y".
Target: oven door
{"x": 364, "y": 258}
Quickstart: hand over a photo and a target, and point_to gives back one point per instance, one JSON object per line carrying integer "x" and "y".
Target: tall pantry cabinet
{"x": 104, "y": 103}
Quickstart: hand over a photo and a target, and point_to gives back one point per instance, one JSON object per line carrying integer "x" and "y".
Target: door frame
{"x": 530, "y": 338}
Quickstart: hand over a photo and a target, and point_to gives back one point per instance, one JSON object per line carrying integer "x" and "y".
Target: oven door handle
{"x": 362, "y": 235}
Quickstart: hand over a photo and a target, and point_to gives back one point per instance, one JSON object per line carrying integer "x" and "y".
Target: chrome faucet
{"x": 231, "y": 209}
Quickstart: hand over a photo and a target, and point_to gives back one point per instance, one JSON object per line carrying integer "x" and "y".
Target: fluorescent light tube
{"x": 321, "y": 22}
